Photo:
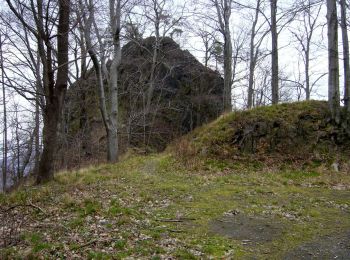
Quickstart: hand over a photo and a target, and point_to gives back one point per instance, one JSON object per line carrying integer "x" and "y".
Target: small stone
{"x": 103, "y": 222}
{"x": 335, "y": 166}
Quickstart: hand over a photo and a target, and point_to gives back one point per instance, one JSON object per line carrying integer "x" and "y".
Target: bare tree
{"x": 333, "y": 60}
{"x": 109, "y": 111}
{"x": 223, "y": 12}
{"x": 54, "y": 80}
{"x": 304, "y": 36}
{"x": 254, "y": 50}
{"x": 207, "y": 39}
{"x": 20, "y": 143}
{"x": 164, "y": 17}
{"x": 5, "y": 148}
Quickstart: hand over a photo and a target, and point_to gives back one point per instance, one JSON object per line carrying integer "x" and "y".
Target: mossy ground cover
{"x": 296, "y": 134}
{"x": 154, "y": 207}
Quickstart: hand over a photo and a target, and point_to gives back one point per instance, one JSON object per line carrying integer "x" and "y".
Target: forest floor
{"x": 156, "y": 207}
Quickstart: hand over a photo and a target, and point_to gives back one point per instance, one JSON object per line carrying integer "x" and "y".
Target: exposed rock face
{"x": 186, "y": 95}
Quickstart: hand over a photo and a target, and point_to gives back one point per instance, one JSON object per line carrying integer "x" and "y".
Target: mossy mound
{"x": 295, "y": 133}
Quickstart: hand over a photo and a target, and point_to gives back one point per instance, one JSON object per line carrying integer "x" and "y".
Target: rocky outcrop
{"x": 186, "y": 95}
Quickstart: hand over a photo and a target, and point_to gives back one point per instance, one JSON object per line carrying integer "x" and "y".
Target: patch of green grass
{"x": 96, "y": 255}
{"x": 37, "y": 242}
{"x": 120, "y": 244}
{"x": 76, "y": 223}
{"x": 184, "y": 254}
{"x": 90, "y": 207}
{"x": 300, "y": 175}
{"x": 115, "y": 209}
{"x": 217, "y": 165}
{"x": 216, "y": 246}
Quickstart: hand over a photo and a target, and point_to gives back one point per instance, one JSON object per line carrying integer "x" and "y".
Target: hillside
{"x": 297, "y": 134}
{"x": 207, "y": 196}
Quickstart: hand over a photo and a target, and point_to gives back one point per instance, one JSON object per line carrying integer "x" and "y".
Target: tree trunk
{"x": 307, "y": 72}
{"x": 37, "y": 137}
{"x": 111, "y": 150}
{"x": 113, "y": 114}
{"x": 55, "y": 95}
{"x": 151, "y": 88}
{"x": 110, "y": 118}
{"x": 50, "y": 135}
{"x": 37, "y": 118}
{"x": 252, "y": 60}
{"x": 207, "y": 50}
{"x": 333, "y": 61}
{"x": 344, "y": 30}
{"x": 274, "y": 53}
{"x": 5, "y": 151}
{"x": 102, "y": 100}
{"x": 18, "y": 159}
{"x": 227, "y": 58}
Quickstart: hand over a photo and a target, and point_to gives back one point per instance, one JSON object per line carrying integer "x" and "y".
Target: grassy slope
{"x": 297, "y": 133}
{"x": 116, "y": 211}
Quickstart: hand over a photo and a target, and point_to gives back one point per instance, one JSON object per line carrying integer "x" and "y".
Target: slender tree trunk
{"x": 274, "y": 54}
{"x": 333, "y": 60}
{"x": 344, "y": 30}
{"x": 307, "y": 72}
{"x": 207, "y": 50}
{"x": 99, "y": 77}
{"x": 110, "y": 118}
{"x": 5, "y": 151}
{"x": 37, "y": 118}
{"x": 113, "y": 133}
{"x": 252, "y": 60}
{"x": 18, "y": 153}
{"x": 228, "y": 74}
{"x": 227, "y": 58}
{"x": 83, "y": 122}
{"x": 37, "y": 137}
{"x": 151, "y": 88}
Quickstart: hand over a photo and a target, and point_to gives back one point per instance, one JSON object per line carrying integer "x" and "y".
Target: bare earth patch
{"x": 335, "y": 246}
{"x": 253, "y": 230}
